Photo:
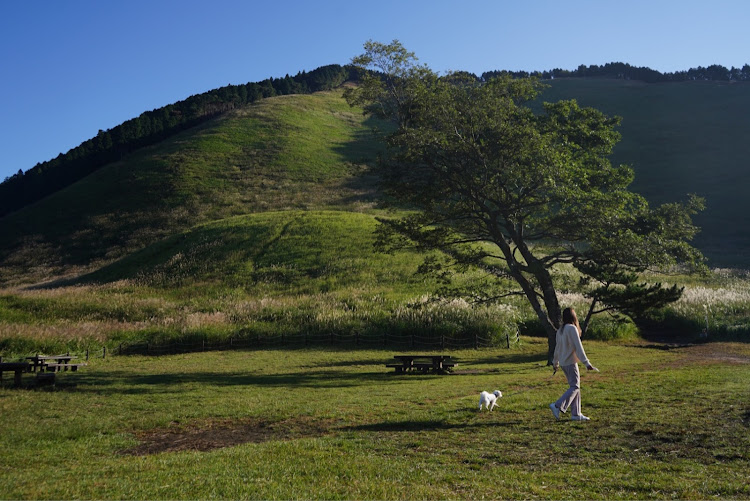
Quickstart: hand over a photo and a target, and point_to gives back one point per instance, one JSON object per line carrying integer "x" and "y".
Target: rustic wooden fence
{"x": 355, "y": 340}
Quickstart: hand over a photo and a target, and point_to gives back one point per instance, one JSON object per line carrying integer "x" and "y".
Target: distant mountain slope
{"x": 683, "y": 137}
{"x": 297, "y": 151}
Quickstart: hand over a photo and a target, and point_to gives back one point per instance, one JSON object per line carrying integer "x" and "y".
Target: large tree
{"x": 516, "y": 191}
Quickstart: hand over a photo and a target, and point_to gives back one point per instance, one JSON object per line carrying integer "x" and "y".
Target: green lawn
{"x": 336, "y": 424}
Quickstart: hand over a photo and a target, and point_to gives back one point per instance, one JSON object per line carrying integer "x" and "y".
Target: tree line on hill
{"x": 151, "y": 127}
{"x": 624, "y": 71}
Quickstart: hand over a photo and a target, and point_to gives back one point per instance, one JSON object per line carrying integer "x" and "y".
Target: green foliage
{"x": 612, "y": 328}
{"x": 480, "y": 166}
{"x": 624, "y": 71}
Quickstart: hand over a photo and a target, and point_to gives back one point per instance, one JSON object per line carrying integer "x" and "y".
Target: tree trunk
{"x": 552, "y": 318}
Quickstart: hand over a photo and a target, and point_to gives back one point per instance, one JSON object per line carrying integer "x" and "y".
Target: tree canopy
{"x": 517, "y": 193}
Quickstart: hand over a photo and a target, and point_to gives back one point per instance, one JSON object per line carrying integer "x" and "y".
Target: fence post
{"x": 507, "y": 339}
{"x": 104, "y": 352}
{"x": 476, "y": 341}
{"x": 87, "y": 354}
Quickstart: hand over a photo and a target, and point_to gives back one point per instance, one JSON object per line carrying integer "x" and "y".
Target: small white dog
{"x": 489, "y": 399}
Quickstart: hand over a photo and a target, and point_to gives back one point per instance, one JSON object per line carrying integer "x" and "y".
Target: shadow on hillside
{"x": 361, "y": 153}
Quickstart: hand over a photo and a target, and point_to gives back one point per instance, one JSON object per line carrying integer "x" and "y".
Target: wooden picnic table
{"x": 47, "y": 366}
{"x": 425, "y": 363}
{"x": 53, "y": 363}
{"x": 17, "y": 367}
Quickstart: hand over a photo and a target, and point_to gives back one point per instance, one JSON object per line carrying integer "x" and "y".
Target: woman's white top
{"x": 568, "y": 347}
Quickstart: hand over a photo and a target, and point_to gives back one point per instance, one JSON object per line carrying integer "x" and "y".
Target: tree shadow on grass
{"x": 511, "y": 358}
{"x": 127, "y": 383}
{"x": 172, "y": 382}
{"x": 503, "y": 364}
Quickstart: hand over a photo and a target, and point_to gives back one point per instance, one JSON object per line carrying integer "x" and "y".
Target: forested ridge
{"x": 154, "y": 126}
{"x": 714, "y": 73}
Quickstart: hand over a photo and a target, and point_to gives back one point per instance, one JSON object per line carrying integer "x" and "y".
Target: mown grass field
{"x": 336, "y": 424}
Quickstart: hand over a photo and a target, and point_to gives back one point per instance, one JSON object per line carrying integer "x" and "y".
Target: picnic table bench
{"x": 424, "y": 363}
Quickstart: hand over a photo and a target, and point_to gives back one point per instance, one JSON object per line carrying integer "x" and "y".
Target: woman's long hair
{"x": 569, "y": 317}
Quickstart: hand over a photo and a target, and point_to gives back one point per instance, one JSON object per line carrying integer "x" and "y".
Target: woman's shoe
{"x": 580, "y": 417}
{"x": 555, "y": 411}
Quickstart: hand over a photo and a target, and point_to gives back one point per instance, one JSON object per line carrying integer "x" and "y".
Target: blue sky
{"x": 72, "y": 67}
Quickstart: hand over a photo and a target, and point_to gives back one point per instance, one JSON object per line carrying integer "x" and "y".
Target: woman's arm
{"x": 574, "y": 337}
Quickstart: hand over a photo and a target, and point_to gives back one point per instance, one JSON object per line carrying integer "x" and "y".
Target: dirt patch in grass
{"x": 713, "y": 353}
{"x": 206, "y": 435}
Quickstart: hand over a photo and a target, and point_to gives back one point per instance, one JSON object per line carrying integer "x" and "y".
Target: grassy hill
{"x": 289, "y": 252}
{"x": 680, "y": 138}
{"x": 260, "y": 222}
{"x": 290, "y": 152}
{"x": 310, "y": 151}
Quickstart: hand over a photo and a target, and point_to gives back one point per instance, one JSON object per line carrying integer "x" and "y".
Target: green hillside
{"x": 310, "y": 152}
{"x": 680, "y": 138}
{"x": 289, "y": 252}
{"x": 290, "y": 152}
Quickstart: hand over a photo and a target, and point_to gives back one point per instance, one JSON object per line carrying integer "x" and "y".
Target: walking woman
{"x": 568, "y": 352}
